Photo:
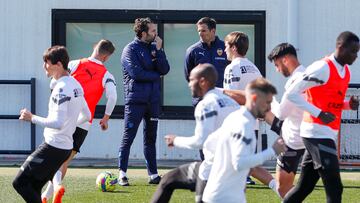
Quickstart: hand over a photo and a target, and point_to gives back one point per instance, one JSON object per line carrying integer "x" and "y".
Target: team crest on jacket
{"x": 219, "y": 51}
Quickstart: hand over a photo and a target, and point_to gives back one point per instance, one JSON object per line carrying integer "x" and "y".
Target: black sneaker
{"x": 124, "y": 181}
{"x": 155, "y": 181}
{"x": 249, "y": 181}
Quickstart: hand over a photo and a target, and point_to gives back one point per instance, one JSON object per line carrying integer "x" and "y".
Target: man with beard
{"x": 285, "y": 59}
{"x": 235, "y": 146}
{"x": 144, "y": 62}
{"x": 325, "y": 83}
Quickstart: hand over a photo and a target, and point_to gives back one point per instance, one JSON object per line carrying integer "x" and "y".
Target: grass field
{"x": 80, "y": 188}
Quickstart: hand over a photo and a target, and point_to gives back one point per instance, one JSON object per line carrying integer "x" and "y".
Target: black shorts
{"x": 79, "y": 138}
{"x": 289, "y": 161}
{"x": 322, "y": 153}
{"x": 43, "y": 163}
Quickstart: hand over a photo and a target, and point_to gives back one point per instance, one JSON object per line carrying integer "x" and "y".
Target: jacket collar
{"x": 212, "y": 43}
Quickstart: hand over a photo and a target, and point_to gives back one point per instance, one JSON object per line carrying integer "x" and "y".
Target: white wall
{"x": 26, "y": 32}
{"x": 321, "y": 22}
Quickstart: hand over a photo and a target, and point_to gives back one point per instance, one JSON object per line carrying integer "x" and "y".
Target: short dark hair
{"x": 55, "y": 54}
{"x": 346, "y": 38}
{"x": 210, "y": 22}
{"x": 209, "y": 72}
{"x": 105, "y": 47}
{"x": 240, "y": 40}
{"x": 282, "y": 50}
{"x": 141, "y": 25}
{"x": 261, "y": 85}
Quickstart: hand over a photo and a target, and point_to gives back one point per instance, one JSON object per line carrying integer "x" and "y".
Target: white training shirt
{"x": 110, "y": 88}
{"x": 235, "y": 155}
{"x": 239, "y": 73}
{"x": 320, "y": 71}
{"x": 65, "y": 104}
{"x": 291, "y": 114}
{"x": 209, "y": 115}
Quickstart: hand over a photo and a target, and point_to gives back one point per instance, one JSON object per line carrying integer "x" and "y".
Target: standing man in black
{"x": 210, "y": 49}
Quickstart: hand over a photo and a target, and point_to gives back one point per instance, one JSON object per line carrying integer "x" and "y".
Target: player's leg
{"x": 38, "y": 168}
{"x": 307, "y": 180}
{"x": 79, "y": 138}
{"x": 264, "y": 177}
{"x": 287, "y": 164}
{"x": 182, "y": 177}
{"x": 261, "y": 174}
{"x": 332, "y": 184}
{"x": 23, "y": 184}
{"x": 330, "y": 171}
{"x": 284, "y": 181}
{"x": 151, "y": 118}
{"x": 133, "y": 115}
{"x": 58, "y": 188}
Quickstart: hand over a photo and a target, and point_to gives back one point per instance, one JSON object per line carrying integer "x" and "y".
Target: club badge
{"x": 219, "y": 51}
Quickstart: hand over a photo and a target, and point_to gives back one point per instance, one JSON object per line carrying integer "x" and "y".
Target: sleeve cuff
{"x": 34, "y": 119}
{"x": 176, "y": 143}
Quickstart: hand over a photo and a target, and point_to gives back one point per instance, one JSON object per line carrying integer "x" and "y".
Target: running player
{"x": 286, "y": 62}
{"x": 325, "y": 82}
{"x": 95, "y": 79}
{"x": 235, "y": 146}
{"x": 238, "y": 74}
{"x": 65, "y": 104}
{"x": 209, "y": 115}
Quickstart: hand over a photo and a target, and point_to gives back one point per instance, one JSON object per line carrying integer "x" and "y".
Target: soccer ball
{"x": 106, "y": 181}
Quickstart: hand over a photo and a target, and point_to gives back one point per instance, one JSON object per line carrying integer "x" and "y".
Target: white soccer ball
{"x": 106, "y": 181}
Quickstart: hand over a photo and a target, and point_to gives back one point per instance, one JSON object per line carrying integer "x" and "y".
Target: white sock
{"x": 272, "y": 185}
{"x": 122, "y": 174}
{"x": 48, "y": 192}
{"x": 153, "y": 176}
{"x": 57, "y": 178}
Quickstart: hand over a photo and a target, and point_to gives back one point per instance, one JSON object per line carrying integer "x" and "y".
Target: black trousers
{"x": 182, "y": 177}
{"x": 38, "y": 169}
{"x": 319, "y": 161}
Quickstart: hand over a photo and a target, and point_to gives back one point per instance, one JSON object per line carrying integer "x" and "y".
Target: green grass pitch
{"x": 80, "y": 188}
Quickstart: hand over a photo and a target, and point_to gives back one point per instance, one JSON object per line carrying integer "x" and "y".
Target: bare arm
{"x": 237, "y": 95}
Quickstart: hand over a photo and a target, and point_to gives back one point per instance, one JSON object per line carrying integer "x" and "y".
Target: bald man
{"x": 209, "y": 115}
